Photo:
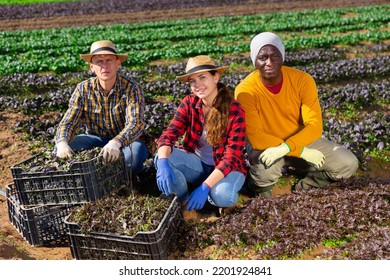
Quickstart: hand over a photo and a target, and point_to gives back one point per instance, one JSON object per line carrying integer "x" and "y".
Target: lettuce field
{"x": 346, "y": 49}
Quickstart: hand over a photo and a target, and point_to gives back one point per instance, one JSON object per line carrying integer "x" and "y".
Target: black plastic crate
{"x": 85, "y": 181}
{"x": 39, "y": 226}
{"x": 151, "y": 245}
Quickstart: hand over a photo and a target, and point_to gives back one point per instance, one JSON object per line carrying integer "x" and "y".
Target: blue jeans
{"x": 134, "y": 159}
{"x": 188, "y": 168}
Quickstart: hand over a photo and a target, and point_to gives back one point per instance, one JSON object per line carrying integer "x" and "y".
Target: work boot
{"x": 312, "y": 180}
{"x": 255, "y": 190}
{"x": 190, "y": 215}
{"x": 262, "y": 191}
{"x": 223, "y": 211}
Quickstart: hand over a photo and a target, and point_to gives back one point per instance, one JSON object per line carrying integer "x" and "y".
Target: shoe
{"x": 190, "y": 215}
{"x": 311, "y": 181}
{"x": 229, "y": 210}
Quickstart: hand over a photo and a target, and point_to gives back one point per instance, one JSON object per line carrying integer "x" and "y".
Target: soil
{"x": 160, "y": 15}
{"x": 13, "y": 147}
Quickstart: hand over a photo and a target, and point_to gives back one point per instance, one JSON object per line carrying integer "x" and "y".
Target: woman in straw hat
{"x": 112, "y": 108}
{"x": 211, "y": 157}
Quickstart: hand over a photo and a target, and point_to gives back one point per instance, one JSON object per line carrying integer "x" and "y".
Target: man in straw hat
{"x": 284, "y": 123}
{"x": 210, "y": 163}
{"x": 112, "y": 108}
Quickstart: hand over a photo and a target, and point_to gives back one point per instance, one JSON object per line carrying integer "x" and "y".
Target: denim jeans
{"x": 190, "y": 170}
{"x": 134, "y": 159}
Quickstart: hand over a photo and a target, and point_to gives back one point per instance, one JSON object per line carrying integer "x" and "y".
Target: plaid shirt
{"x": 228, "y": 155}
{"x": 119, "y": 115}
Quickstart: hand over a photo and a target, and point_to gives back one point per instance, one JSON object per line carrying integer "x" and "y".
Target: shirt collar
{"x": 115, "y": 89}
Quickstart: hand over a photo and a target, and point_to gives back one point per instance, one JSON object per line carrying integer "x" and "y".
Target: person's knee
{"x": 349, "y": 166}
{"x": 139, "y": 150}
{"x": 262, "y": 180}
{"x": 262, "y": 177}
{"x": 253, "y": 157}
{"x": 135, "y": 159}
{"x": 224, "y": 200}
{"x": 177, "y": 159}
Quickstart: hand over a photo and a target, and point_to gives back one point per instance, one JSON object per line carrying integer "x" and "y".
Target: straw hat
{"x": 102, "y": 47}
{"x": 200, "y": 63}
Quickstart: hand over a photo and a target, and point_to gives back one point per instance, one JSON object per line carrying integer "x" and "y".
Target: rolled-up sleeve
{"x": 71, "y": 118}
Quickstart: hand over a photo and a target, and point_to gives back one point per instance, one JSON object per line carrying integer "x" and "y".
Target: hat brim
{"x": 220, "y": 70}
{"x": 88, "y": 57}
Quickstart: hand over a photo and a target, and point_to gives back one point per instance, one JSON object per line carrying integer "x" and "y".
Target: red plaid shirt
{"x": 228, "y": 155}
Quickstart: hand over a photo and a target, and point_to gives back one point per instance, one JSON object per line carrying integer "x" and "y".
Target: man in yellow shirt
{"x": 284, "y": 123}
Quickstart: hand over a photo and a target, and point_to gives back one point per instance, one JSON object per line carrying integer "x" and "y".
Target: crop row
{"x": 26, "y": 83}
{"x": 57, "y": 49}
{"x": 354, "y": 210}
{"x": 21, "y": 90}
{"x": 326, "y": 65}
{"x": 109, "y": 6}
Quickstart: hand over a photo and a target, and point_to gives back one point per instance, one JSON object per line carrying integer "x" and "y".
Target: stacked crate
{"x": 39, "y": 225}
{"x": 38, "y": 202}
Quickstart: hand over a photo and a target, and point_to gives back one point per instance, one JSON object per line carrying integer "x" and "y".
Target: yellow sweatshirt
{"x": 293, "y": 115}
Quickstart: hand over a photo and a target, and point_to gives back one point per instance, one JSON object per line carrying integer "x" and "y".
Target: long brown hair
{"x": 218, "y": 117}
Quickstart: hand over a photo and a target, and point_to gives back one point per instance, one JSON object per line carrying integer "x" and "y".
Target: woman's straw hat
{"x": 102, "y": 47}
{"x": 200, "y": 63}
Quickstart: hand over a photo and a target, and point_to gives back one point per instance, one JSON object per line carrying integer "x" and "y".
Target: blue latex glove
{"x": 165, "y": 176}
{"x": 198, "y": 197}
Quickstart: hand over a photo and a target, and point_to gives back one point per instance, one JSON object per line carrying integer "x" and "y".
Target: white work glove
{"x": 111, "y": 151}
{"x": 270, "y": 155}
{"x": 63, "y": 150}
{"x": 313, "y": 156}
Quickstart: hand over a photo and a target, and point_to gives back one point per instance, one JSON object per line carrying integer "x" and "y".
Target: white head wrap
{"x": 262, "y": 39}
